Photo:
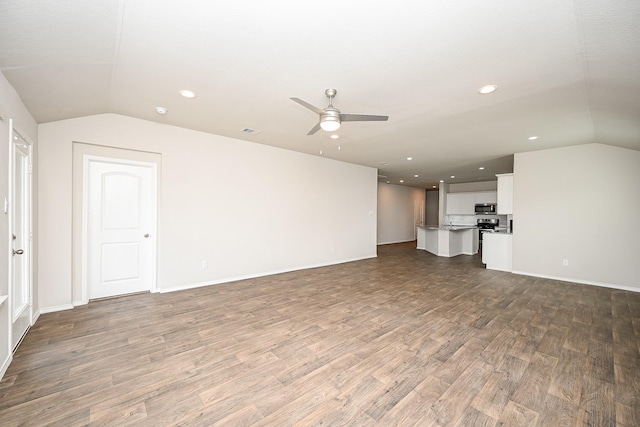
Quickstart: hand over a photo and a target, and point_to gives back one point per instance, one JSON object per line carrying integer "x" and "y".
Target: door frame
{"x": 84, "y": 252}
{"x": 28, "y": 219}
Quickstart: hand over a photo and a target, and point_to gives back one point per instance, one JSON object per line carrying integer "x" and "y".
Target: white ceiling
{"x": 568, "y": 71}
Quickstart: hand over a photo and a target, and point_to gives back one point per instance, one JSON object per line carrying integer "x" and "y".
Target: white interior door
{"x": 20, "y": 265}
{"x": 121, "y": 227}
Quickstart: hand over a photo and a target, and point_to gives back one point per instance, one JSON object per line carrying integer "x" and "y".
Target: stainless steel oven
{"x": 487, "y": 225}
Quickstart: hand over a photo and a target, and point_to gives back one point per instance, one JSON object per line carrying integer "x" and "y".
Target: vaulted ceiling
{"x": 567, "y": 71}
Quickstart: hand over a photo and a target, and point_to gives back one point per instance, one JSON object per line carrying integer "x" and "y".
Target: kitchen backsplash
{"x": 472, "y": 219}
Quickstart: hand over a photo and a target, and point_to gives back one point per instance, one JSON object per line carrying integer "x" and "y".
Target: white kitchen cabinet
{"x": 505, "y": 194}
{"x": 468, "y": 204}
{"x": 454, "y": 200}
{"x": 486, "y": 197}
{"x": 496, "y": 251}
{"x": 460, "y": 203}
{"x": 464, "y": 203}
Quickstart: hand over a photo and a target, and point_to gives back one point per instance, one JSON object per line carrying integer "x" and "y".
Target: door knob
{"x": 18, "y": 252}
{"x": 146, "y": 235}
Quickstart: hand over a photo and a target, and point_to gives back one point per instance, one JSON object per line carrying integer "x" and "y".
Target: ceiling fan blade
{"x": 362, "y": 118}
{"x": 315, "y": 129}
{"x": 306, "y": 104}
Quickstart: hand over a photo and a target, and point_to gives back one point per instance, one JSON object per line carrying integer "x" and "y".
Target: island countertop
{"x": 451, "y": 227}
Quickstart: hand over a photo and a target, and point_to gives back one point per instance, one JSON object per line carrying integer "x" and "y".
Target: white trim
{"x": 17, "y": 315}
{"x": 28, "y": 244}
{"x": 86, "y": 160}
{"x": 84, "y": 297}
{"x": 44, "y": 310}
{"x": 395, "y": 242}
{"x": 451, "y": 255}
{"x": 5, "y": 322}
{"x": 578, "y": 281}
{"x": 5, "y": 365}
{"x": 253, "y": 276}
{"x": 36, "y": 315}
{"x": 9, "y": 241}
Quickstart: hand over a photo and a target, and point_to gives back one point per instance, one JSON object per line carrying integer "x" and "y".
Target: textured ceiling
{"x": 568, "y": 71}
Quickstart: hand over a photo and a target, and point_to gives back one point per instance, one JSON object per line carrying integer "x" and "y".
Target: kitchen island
{"x": 448, "y": 241}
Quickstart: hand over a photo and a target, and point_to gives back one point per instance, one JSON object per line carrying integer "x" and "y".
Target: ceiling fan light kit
{"x": 329, "y": 123}
{"x": 331, "y": 117}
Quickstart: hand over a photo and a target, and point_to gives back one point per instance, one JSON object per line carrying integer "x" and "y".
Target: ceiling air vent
{"x": 251, "y": 131}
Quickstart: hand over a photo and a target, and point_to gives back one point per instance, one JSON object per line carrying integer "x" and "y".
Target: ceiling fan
{"x": 331, "y": 117}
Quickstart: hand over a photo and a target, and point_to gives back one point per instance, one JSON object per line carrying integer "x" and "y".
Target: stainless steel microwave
{"x": 486, "y": 209}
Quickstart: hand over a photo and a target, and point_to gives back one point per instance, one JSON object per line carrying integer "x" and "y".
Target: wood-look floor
{"x": 407, "y": 339}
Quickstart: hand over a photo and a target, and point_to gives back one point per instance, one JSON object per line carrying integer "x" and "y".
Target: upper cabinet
{"x": 505, "y": 194}
{"x": 464, "y": 203}
{"x": 460, "y": 203}
{"x": 486, "y": 197}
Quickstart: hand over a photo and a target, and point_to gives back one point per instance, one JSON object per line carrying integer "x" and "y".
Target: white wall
{"x": 245, "y": 208}
{"x": 396, "y": 212}
{"x": 11, "y": 108}
{"x": 582, "y": 204}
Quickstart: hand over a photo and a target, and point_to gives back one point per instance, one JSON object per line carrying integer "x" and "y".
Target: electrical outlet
{"x": 205, "y": 264}
{"x": 565, "y": 263}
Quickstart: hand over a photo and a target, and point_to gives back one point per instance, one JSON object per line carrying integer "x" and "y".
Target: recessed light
{"x": 409, "y": 158}
{"x": 402, "y": 180}
{"x": 384, "y": 163}
{"x": 434, "y": 186}
{"x": 481, "y": 168}
{"x": 453, "y": 176}
{"x": 487, "y": 89}
{"x": 187, "y": 93}
{"x": 442, "y": 180}
{"x": 533, "y": 138}
{"x": 335, "y": 136}
{"x": 415, "y": 176}
{"x": 161, "y": 110}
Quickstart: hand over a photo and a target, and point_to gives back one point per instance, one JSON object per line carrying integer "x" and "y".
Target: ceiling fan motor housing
{"x": 330, "y": 119}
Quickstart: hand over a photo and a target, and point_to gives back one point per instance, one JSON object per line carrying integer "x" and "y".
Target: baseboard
{"x": 36, "y": 315}
{"x": 253, "y": 276}
{"x": 448, "y": 256}
{"x": 5, "y": 365}
{"x": 395, "y": 242}
{"x": 56, "y": 308}
{"x": 582, "y": 282}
